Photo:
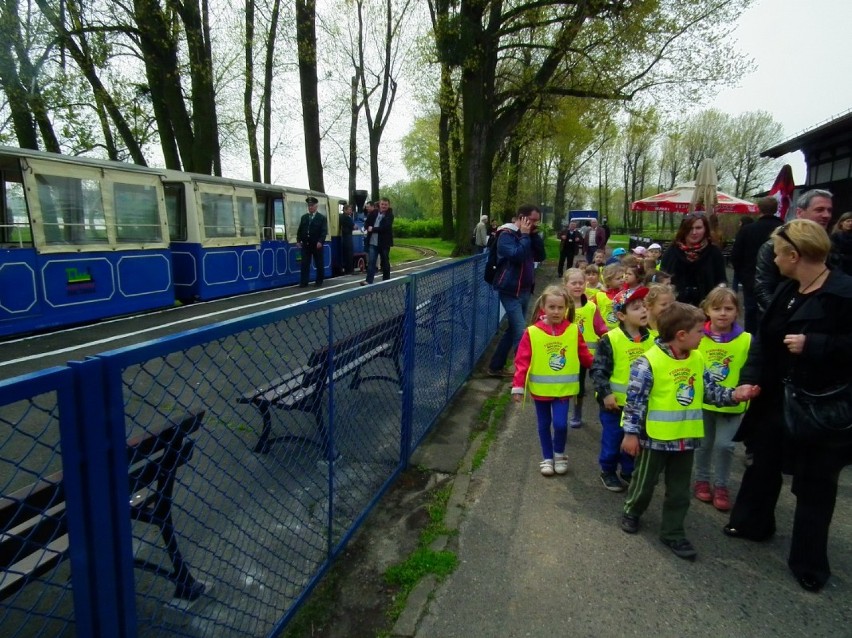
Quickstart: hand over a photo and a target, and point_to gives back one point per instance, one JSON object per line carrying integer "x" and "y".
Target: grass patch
{"x": 492, "y": 412}
{"x": 442, "y": 247}
{"x": 424, "y": 560}
{"x": 402, "y": 254}
{"x": 314, "y": 612}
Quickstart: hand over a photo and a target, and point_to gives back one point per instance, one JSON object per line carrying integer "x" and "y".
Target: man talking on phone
{"x": 519, "y": 246}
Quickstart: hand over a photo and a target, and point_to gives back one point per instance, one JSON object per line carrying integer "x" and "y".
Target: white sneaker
{"x": 546, "y": 467}
{"x": 561, "y": 463}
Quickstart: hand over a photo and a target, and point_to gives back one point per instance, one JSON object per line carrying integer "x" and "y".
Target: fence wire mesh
{"x": 255, "y": 450}
{"x": 36, "y": 596}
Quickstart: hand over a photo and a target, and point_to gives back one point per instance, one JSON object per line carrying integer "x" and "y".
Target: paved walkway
{"x": 546, "y": 557}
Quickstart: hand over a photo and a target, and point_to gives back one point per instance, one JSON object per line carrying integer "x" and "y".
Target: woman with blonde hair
{"x": 804, "y": 336}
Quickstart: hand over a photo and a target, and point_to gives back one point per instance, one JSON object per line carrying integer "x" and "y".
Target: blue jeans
{"x": 516, "y": 313}
{"x": 553, "y": 412}
{"x": 373, "y": 253}
{"x": 718, "y": 443}
{"x": 611, "y": 436}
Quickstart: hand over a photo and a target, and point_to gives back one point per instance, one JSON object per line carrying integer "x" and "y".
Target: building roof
{"x": 830, "y": 133}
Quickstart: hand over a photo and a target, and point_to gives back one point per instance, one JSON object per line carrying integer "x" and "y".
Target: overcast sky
{"x": 802, "y": 65}
{"x": 802, "y": 76}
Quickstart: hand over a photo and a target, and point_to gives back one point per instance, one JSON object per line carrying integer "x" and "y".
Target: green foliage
{"x": 417, "y": 227}
{"x": 415, "y": 199}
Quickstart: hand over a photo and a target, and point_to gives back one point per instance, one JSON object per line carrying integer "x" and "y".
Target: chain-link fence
{"x": 223, "y": 469}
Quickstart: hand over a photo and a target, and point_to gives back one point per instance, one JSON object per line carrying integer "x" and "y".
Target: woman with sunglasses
{"x": 806, "y": 335}
{"x": 694, "y": 262}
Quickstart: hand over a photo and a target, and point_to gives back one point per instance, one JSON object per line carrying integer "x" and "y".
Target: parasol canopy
{"x": 706, "y": 184}
{"x": 678, "y": 200}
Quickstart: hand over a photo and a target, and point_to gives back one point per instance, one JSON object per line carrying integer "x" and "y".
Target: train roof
{"x": 12, "y": 151}
{"x": 172, "y": 175}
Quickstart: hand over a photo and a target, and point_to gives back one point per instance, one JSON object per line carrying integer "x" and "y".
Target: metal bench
{"x": 33, "y": 524}
{"x": 303, "y": 389}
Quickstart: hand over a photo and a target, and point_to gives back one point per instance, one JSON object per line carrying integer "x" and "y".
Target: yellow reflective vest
{"x": 605, "y": 304}
{"x": 674, "y": 405}
{"x": 554, "y": 365}
{"x": 624, "y": 352}
{"x": 725, "y": 361}
{"x": 585, "y": 319}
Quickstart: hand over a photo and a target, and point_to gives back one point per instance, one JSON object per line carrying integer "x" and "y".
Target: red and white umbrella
{"x": 678, "y": 199}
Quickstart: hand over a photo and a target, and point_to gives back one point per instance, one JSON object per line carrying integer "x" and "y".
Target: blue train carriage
{"x": 232, "y": 236}
{"x": 80, "y": 239}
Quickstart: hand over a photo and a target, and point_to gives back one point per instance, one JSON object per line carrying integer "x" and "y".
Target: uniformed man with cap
{"x": 313, "y": 228}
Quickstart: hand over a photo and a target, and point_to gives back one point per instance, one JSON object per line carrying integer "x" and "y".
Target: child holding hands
{"x": 547, "y": 365}
{"x": 663, "y": 421}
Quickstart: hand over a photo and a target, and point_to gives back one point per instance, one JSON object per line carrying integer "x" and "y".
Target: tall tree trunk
{"x": 307, "y": 54}
{"x": 446, "y": 103}
{"x": 513, "y": 177}
{"x": 22, "y": 118}
{"x": 355, "y": 109}
{"x": 267, "y": 91}
{"x": 248, "y": 93}
{"x": 559, "y": 211}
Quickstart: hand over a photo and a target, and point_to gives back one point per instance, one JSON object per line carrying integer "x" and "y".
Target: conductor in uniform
{"x": 313, "y": 228}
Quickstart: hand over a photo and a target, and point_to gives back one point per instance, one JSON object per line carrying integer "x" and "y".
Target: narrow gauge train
{"x": 83, "y": 239}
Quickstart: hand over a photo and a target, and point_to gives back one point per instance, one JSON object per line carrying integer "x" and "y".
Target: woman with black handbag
{"x": 804, "y": 342}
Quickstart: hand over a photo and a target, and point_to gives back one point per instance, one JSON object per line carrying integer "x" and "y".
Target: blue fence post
{"x": 409, "y": 332}
{"x": 114, "y": 604}
{"x": 331, "y": 448}
{"x": 471, "y": 357}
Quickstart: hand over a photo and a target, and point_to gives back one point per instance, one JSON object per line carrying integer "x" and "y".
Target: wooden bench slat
{"x": 33, "y": 524}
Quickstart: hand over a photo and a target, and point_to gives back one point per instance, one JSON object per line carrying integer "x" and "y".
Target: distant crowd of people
{"x": 677, "y": 378}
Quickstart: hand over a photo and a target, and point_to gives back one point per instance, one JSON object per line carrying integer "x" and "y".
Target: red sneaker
{"x": 702, "y": 491}
{"x": 721, "y": 500}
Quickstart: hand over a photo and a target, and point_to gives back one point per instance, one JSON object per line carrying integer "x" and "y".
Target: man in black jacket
{"x": 744, "y": 255}
{"x": 379, "y": 227}
{"x": 313, "y": 227}
{"x": 347, "y": 225}
{"x": 816, "y": 205}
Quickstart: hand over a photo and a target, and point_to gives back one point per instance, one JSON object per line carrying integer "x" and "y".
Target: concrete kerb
{"x": 449, "y": 444}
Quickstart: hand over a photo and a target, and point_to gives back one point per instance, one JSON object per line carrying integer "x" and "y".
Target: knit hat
{"x": 640, "y": 250}
{"x": 618, "y": 252}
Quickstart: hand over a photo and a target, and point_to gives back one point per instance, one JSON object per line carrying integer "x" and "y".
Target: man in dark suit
{"x": 379, "y": 227}
{"x": 313, "y": 228}
{"x": 347, "y": 225}
{"x": 747, "y": 244}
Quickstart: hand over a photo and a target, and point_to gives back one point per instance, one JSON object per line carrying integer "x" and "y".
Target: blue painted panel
{"x": 144, "y": 274}
{"x": 19, "y": 292}
{"x": 267, "y": 262}
{"x": 250, "y": 264}
{"x": 220, "y": 266}
{"x": 77, "y": 281}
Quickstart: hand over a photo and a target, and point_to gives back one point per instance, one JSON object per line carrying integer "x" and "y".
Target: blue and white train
{"x": 82, "y": 239}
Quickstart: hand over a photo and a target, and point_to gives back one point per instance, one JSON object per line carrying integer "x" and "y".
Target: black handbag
{"x": 823, "y": 416}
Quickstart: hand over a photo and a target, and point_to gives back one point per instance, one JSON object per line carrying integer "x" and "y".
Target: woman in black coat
{"x": 806, "y": 334}
{"x": 694, "y": 262}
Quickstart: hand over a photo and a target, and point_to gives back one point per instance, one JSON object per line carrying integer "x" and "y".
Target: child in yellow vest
{"x": 660, "y": 297}
{"x": 663, "y": 420}
{"x": 725, "y": 348}
{"x": 547, "y": 365}
{"x": 612, "y": 279}
{"x": 615, "y": 352}
{"x": 593, "y": 281}
{"x": 591, "y": 327}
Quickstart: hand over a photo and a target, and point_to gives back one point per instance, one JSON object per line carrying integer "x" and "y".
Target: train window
{"x": 15, "y": 229}
{"x": 175, "y": 211}
{"x": 72, "y": 210}
{"x": 246, "y": 216}
{"x": 278, "y": 208}
{"x": 137, "y": 216}
{"x": 218, "y": 212}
